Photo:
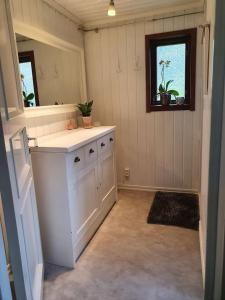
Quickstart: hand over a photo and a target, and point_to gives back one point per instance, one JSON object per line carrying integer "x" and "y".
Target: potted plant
{"x": 85, "y": 109}
{"x": 26, "y": 97}
{"x": 164, "y": 91}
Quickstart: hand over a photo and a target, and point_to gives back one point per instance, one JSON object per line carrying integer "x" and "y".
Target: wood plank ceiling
{"x": 94, "y": 12}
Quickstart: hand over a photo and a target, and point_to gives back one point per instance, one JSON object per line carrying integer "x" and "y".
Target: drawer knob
{"x": 111, "y": 139}
{"x": 102, "y": 145}
{"x": 77, "y": 159}
{"x": 91, "y": 151}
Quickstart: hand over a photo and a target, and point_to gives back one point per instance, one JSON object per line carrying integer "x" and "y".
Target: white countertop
{"x": 70, "y": 140}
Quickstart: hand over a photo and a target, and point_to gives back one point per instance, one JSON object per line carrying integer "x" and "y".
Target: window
{"x": 170, "y": 70}
{"x": 28, "y": 78}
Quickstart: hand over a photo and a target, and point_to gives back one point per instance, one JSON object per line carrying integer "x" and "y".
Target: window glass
{"x": 170, "y": 60}
{"x": 27, "y": 80}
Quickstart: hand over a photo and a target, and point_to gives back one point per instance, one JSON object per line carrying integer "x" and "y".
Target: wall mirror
{"x": 50, "y": 75}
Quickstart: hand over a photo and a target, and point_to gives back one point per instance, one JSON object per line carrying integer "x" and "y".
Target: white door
{"x": 19, "y": 164}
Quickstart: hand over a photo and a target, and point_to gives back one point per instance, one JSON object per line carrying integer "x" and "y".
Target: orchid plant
{"x": 26, "y": 97}
{"x": 164, "y": 86}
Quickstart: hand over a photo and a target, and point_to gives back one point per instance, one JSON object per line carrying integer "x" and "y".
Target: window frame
{"x": 152, "y": 41}
{"x": 28, "y": 56}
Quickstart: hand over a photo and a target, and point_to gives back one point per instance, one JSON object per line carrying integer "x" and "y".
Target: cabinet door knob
{"x": 77, "y": 159}
{"x": 111, "y": 139}
{"x": 102, "y": 145}
{"x": 91, "y": 151}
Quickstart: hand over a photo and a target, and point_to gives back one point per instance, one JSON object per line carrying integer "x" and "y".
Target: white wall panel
{"x": 162, "y": 149}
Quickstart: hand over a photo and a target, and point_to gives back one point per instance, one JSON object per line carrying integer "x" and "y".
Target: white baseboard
{"x": 202, "y": 252}
{"x": 154, "y": 189}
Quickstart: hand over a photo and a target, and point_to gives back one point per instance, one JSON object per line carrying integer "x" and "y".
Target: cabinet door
{"x": 85, "y": 200}
{"x": 107, "y": 178}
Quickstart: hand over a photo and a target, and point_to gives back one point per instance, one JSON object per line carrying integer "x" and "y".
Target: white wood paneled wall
{"x": 39, "y": 14}
{"x": 162, "y": 149}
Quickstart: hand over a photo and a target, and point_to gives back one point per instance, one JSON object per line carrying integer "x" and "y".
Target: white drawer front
{"x": 106, "y": 143}
{"x": 91, "y": 152}
{"x": 103, "y": 144}
{"x": 111, "y": 139}
{"x": 77, "y": 160}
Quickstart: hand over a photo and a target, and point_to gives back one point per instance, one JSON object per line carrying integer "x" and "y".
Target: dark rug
{"x": 176, "y": 209}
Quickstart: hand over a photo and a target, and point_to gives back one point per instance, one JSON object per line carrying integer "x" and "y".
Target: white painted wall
{"x": 38, "y": 14}
{"x": 207, "y": 106}
{"x": 58, "y": 73}
{"x": 46, "y": 120}
{"x": 162, "y": 149}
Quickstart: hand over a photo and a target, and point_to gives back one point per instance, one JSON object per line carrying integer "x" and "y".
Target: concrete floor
{"x": 129, "y": 259}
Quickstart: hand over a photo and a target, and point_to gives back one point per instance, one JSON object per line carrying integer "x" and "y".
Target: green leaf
{"x": 90, "y": 104}
{"x": 173, "y": 92}
{"x": 24, "y": 94}
{"x": 161, "y": 88}
{"x": 168, "y": 83}
{"x": 30, "y": 97}
{"x": 85, "y": 108}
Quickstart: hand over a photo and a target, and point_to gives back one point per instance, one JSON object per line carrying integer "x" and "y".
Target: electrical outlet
{"x": 127, "y": 172}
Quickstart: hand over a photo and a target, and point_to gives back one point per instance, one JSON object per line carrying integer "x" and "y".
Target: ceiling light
{"x": 111, "y": 9}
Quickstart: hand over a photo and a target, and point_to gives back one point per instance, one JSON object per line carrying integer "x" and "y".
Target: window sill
{"x": 170, "y": 107}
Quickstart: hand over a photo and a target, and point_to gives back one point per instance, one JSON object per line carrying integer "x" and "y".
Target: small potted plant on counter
{"x": 85, "y": 109}
{"x": 164, "y": 91}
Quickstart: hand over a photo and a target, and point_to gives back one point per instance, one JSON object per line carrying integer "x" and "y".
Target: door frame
{"x": 5, "y": 289}
{"x": 215, "y": 250}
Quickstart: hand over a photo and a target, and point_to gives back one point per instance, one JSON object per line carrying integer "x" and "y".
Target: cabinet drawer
{"x": 103, "y": 144}
{"x": 106, "y": 143}
{"x": 77, "y": 160}
{"x": 111, "y": 140}
{"x": 91, "y": 152}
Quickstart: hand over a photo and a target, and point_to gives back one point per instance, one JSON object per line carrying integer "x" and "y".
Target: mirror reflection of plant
{"x": 164, "y": 86}
{"x": 26, "y": 97}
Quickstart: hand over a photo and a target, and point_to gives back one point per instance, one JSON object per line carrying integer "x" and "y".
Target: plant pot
{"x": 165, "y": 99}
{"x": 87, "y": 122}
{"x": 180, "y": 100}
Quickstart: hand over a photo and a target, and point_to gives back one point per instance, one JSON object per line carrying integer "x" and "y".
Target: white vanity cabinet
{"x": 75, "y": 191}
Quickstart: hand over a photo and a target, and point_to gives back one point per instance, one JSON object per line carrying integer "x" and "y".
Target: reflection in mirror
{"x": 49, "y": 75}
{"x": 28, "y": 78}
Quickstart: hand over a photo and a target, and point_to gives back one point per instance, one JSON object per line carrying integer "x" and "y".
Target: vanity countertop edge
{"x": 70, "y": 140}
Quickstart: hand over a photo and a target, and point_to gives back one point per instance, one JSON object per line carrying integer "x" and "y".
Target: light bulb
{"x": 111, "y": 9}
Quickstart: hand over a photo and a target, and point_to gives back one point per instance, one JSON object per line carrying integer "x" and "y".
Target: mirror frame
{"x": 52, "y": 40}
